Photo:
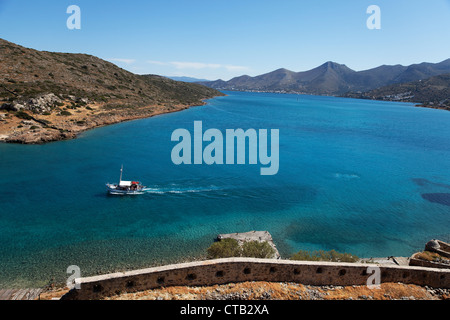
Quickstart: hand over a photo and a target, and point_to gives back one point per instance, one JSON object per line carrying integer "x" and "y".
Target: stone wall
{"x": 429, "y": 264}
{"x": 230, "y": 270}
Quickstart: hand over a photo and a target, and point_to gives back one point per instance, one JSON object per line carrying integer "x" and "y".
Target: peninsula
{"x": 49, "y": 96}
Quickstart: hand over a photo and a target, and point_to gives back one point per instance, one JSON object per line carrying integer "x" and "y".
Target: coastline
{"x": 38, "y": 132}
{"x": 202, "y": 110}
{"x": 415, "y": 104}
{"x": 446, "y": 108}
{"x": 90, "y": 117}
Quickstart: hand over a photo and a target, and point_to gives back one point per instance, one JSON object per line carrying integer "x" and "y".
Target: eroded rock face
{"x": 39, "y": 105}
{"x": 44, "y": 103}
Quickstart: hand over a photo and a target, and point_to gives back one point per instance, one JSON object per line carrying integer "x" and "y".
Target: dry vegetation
{"x": 62, "y": 94}
{"x": 279, "y": 291}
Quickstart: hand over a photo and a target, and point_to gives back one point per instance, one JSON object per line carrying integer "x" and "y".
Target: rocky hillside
{"x": 332, "y": 78}
{"x": 46, "y": 96}
{"x": 433, "y": 92}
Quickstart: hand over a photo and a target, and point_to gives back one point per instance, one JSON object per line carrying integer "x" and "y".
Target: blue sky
{"x": 222, "y": 39}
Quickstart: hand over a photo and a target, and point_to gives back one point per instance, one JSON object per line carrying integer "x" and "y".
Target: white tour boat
{"x": 125, "y": 187}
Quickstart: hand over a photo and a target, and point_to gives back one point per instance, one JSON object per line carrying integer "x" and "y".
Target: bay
{"x": 365, "y": 177}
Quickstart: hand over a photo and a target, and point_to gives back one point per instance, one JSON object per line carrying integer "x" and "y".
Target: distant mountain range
{"x": 332, "y": 78}
{"x": 187, "y": 79}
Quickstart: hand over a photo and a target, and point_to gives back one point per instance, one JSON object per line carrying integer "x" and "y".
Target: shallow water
{"x": 355, "y": 176}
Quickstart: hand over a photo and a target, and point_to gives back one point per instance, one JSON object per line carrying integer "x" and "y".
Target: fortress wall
{"x": 231, "y": 270}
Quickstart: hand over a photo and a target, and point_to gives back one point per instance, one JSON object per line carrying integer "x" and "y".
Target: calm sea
{"x": 365, "y": 177}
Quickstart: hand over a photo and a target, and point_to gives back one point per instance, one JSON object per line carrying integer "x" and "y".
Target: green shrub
{"x": 321, "y": 255}
{"x": 257, "y": 249}
{"x": 229, "y": 247}
{"x": 73, "y": 106}
{"x": 225, "y": 248}
{"x": 65, "y": 113}
{"x": 46, "y": 122}
{"x": 23, "y": 115}
{"x": 431, "y": 256}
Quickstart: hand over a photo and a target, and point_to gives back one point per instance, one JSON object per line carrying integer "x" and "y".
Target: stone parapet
{"x": 233, "y": 270}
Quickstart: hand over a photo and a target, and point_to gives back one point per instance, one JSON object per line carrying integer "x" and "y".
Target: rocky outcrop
{"x": 44, "y": 103}
{"x": 260, "y": 236}
{"x": 38, "y": 105}
{"x": 39, "y": 136}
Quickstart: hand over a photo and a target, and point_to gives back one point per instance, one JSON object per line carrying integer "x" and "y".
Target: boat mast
{"x": 121, "y": 170}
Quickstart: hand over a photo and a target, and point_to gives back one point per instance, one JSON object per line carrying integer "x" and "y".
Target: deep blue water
{"x": 366, "y": 177}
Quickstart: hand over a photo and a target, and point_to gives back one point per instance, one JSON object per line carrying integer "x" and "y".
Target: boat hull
{"x": 114, "y": 190}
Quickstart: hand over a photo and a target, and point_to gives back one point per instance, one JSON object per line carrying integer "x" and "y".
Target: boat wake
{"x": 346, "y": 176}
{"x": 179, "y": 190}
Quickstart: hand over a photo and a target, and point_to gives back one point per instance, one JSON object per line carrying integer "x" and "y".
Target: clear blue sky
{"x": 221, "y": 39}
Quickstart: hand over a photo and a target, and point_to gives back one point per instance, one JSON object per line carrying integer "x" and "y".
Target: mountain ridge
{"x": 332, "y": 78}
{"x": 186, "y": 79}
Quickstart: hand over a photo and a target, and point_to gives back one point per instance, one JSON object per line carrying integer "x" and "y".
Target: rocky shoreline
{"x": 39, "y": 122}
{"x": 259, "y": 236}
{"x": 429, "y": 106}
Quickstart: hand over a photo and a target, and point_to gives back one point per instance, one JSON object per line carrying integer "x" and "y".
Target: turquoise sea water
{"x": 366, "y": 177}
